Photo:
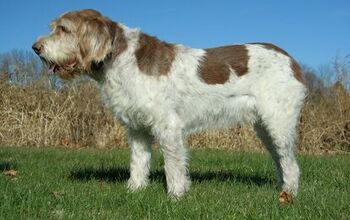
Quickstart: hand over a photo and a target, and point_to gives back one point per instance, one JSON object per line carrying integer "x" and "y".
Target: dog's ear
{"x": 96, "y": 35}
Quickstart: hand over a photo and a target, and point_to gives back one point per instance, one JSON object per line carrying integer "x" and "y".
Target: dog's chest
{"x": 127, "y": 107}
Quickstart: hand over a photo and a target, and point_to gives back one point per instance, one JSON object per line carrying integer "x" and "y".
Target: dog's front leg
{"x": 170, "y": 138}
{"x": 140, "y": 144}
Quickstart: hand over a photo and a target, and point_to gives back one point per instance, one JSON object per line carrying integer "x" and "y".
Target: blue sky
{"x": 313, "y": 31}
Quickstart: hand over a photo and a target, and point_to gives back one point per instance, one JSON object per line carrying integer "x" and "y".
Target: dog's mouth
{"x": 68, "y": 66}
{"x": 54, "y": 68}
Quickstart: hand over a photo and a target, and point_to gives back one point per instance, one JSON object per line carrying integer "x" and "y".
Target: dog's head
{"x": 78, "y": 42}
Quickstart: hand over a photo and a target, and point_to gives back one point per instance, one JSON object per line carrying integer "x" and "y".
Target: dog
{"x": 163, "y": 92}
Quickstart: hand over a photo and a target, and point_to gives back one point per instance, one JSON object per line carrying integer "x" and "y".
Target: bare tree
{"x": 22, "y": 66}
{"x": 313, "y": 80}
{"x": 337, "y": 70}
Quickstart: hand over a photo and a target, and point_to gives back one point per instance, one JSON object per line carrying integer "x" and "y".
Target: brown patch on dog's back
{"x": 218, "y": 62}
{"x": 294, "y": 64}
{"x": 154, "y": 57}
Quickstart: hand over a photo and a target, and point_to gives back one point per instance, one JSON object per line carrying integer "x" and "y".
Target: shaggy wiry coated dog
{"x": 163, "y": 92}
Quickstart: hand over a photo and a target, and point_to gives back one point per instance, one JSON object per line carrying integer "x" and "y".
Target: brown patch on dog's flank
{"x": 294, "y": 64}
{"x": 285, "y": 198}
{"x": 154, "y": 57}
{"x": 218, "y": 62}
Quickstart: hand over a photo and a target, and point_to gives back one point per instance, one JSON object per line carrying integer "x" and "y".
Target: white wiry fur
{"x": 172, "y": 106}
{"x": 167, "y": 108}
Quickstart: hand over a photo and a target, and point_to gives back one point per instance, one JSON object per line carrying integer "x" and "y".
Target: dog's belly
{"x": 212, "y": 113}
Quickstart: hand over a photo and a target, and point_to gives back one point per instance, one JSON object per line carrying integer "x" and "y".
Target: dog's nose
{"x": 37, "y": 47}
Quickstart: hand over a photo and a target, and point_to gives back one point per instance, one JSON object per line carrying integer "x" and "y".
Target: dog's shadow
{"x": 4, "y": 166}
{"x": 122, "y": 175}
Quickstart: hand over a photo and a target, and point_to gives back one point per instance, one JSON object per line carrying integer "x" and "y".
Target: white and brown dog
{"x": 166, "y": 91}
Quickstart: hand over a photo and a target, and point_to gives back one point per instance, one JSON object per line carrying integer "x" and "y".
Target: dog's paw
{"x": 177, "y": 191}
{"x": 176, "y": 196}
{"x": 133, "y": 185}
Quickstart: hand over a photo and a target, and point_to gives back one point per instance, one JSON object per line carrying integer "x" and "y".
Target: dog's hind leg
{"x": 140, "y": 143}
{"x": 277, "y": 128}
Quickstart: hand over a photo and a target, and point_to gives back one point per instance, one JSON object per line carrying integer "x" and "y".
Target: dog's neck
{"x": 131, "y": 46}
{"x": 119, "y": 44}
{"x": 119, "y": 41}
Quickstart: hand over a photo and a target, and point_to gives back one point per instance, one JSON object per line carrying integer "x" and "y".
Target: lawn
{"x": 90, "y": 184}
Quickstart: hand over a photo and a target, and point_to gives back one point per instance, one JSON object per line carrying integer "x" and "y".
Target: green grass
{"x": 90, "y": 184}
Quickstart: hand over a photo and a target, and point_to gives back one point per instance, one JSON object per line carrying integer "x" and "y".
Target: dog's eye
{"x": 61, "y": 28}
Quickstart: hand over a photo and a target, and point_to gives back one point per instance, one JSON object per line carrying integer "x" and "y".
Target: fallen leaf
{"x": 11, "y": 173}
{"x": 285, "y": 198}
{"x": 57, "y": 194}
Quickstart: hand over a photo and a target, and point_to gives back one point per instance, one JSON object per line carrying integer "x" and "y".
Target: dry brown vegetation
{"x": 36, "y": 116}
{"x": 33, "y": 112}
